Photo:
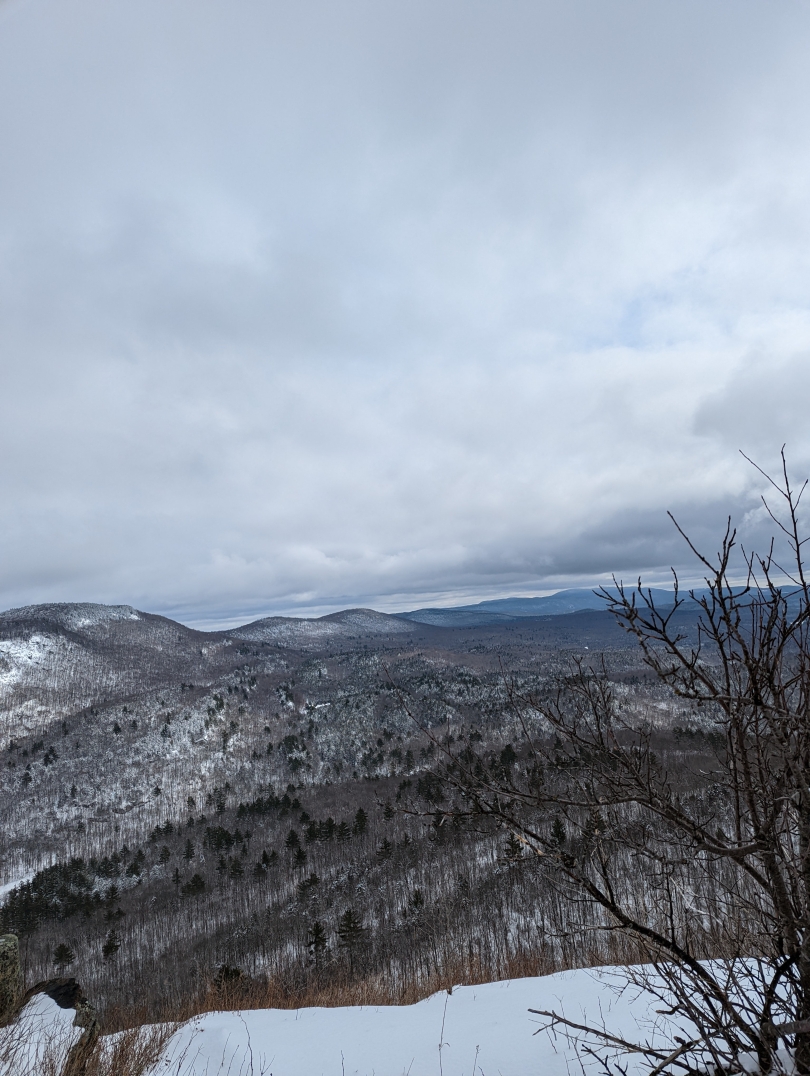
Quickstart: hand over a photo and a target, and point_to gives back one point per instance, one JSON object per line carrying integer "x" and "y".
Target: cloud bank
{"x": 313, "y": 305}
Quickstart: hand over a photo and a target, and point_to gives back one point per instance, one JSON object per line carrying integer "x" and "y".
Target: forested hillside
{"x": 200, "y": 810}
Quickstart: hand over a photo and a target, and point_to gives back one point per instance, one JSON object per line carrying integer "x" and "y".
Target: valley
{"x": 262, "y": 808}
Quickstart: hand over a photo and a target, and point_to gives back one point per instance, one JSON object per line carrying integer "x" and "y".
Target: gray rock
{"x": 68, "y": 995}
{"x": 10, "y": 978}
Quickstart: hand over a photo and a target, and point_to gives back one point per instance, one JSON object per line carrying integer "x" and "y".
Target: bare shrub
{"x": 708, "y": 880}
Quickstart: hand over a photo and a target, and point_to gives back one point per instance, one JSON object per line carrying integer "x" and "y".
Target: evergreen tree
{"x": 63, "y": 956}
{"x": 360, "y": 823}
{"x": 350, "y": 932}
{"x": 316, "y": 941}
{"x": 194, "y": 887}
{"x": 112, "y": 943}
{"x": 512, "y": 850}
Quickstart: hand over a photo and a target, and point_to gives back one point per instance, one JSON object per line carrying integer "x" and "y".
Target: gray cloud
{"x": 312, "y": 305}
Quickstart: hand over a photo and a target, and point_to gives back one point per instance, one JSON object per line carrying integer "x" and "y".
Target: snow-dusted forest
{"x": 220, "y": 811}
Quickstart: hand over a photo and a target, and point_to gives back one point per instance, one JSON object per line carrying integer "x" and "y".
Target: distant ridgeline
{"x": 507, "y": 610}
{"x": 98, "y": 620}
{"x": 564, "y": 602}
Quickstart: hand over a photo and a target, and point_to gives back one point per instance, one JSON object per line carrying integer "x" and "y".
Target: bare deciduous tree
{"x": 705, "y": 876}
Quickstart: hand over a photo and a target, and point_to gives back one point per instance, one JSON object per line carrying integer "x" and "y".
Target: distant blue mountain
{"x": 564, "y": 602}
{"x": 506, "y": 610}
{"x": 471, "y": 617}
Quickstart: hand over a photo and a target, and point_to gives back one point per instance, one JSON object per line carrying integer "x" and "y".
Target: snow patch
{"x": 475, "y": 1031}
{"x": 7, "y": 888}
{"x": 39, "y": 1040}
{"x": 20, "y": 655}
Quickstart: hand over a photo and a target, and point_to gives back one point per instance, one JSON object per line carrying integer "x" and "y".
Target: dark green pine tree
{"x": 188, "y": 852}
{"x": 360, "y": 823}
{"x": 316, "y": 942}
{"x": 63, "y": 955}
{"x": 112, "y": 943}
{"x": 558, "y": 834}
{"x": 512, "y": 850}
{"x": 350, "y": 932}
{"x": 194, "y": 887}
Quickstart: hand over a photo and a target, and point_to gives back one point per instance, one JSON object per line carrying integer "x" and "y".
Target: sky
{"x": 310, "y": 305}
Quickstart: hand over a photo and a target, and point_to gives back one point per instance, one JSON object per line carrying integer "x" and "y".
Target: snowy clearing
{"x": 484, "y": 1030}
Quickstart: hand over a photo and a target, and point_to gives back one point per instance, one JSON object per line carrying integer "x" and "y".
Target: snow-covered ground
{"x": 483, "y": 1031}
{"x": 6, "y": 889}
{"x": 38, "y": 1043}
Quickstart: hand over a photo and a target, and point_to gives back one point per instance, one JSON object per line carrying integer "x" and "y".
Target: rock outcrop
{"x": 68, "y": 995}
{"x": 10, "y": 977}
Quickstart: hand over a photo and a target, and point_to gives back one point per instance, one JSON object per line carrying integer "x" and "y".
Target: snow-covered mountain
{"x": 300, "y": 632}
{"x": 73, "y": 616}
{"x": 183, "y": 787}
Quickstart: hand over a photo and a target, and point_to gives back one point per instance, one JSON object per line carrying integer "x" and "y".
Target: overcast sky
{"x": 314, "y": 304}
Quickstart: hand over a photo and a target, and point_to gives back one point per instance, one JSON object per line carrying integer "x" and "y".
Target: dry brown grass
{"x": 135, "y": 1037}
{"x": 33, "y": 1047}
{"x": 130, "y": 1052}
{"x": 324, "y": 991}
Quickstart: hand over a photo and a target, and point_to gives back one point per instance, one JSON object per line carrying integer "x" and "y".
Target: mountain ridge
{"x": 510, "y": 610}
{"x": 80, "y": 616}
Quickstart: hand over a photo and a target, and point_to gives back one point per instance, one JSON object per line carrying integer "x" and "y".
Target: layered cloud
{"x": 309, "y": 305}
